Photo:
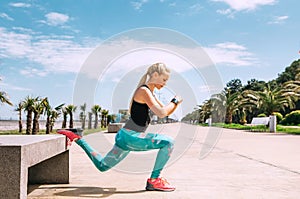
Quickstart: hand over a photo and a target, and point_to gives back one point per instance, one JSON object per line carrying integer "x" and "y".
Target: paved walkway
{"x": 241, "y": 165}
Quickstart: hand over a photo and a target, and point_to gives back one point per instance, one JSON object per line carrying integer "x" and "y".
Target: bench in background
{"x": 114, "y": 127}
{"x": 263, "y": 122}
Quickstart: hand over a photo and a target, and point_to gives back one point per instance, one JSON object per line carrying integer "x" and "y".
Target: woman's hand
{"x": 177, "y": 99}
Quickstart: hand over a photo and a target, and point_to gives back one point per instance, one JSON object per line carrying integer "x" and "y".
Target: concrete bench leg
{"x": 13, "y": 178}
{"x": 15, "y": 175}
{"x": 52, "y": 171}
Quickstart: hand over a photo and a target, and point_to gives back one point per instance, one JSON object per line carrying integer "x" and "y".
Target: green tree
{"x": 38, "y": 109}
{"x": 104, "y": 114}
{"x": 28, "y": 104}
{"x": 4, "y": 98}
{"x": 227, "y": 102}
{"x": 90, "y": 120}
{"x": 65, "y": 117}
{"x": 272, "y": 100}
{"x": 19, "y": 109}
{"x": 290, "y": 73}
{"x": 233, "y": 86}
{"x": 70, "y": 110}
{"x": 95, "y": 110}
{"x": 82, "y": 115}
{"x": 52, "y": 114}
{"x": 255, "y": 85}
{"x": 204, "y": 111}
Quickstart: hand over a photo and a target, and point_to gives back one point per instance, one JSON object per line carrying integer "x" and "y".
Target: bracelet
{"x": 175, "y": 101}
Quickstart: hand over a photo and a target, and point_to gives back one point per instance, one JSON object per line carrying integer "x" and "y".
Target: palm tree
{"x": 52, "y": 115}
{"x": 70, "y": 110}
{"x": 104, "y": 114}
{"x": 4, "y": 98}
{"x": 19, "y": 109}
{"x": 38, "y": 109}
{"x": 28, "y": 104}
{"x": 95, "y": 110}
{"x": 204, "y": 111}
{"x": 65, "y": 115}
{"x": 226, "y": 101}
{"x": 273, "y": 100}
{"x": 90, "y": 120}
{"x": 82, "y": 115}
{"x": 293, "y": 86}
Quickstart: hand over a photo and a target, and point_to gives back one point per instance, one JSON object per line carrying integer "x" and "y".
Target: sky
{"x": 47, "y": 47}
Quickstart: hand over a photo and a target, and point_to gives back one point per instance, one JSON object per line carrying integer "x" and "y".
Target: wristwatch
{"x": 175, "y": 101}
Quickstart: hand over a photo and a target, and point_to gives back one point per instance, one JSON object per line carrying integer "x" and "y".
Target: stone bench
{"x": 31, "y": 159}
{"x": 260, "y": 121}
{"x": 114, "y": 127}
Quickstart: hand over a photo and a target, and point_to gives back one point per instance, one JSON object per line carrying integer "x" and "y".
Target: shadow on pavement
{"x": 82, "y": 191}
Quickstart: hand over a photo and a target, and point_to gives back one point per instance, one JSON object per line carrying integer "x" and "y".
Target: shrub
{"x": 279, "y": 116}
{"x": 262, "y": 115}
{"x": 293, "y": 118}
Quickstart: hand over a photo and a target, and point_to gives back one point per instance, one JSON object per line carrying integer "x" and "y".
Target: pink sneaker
{"x": 159, "y": 184}
{"x": 69, "y": 134}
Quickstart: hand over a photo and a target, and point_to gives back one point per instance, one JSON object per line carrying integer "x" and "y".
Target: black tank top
{"x": 140, "y": 113}
{"x": 139, "y": 116}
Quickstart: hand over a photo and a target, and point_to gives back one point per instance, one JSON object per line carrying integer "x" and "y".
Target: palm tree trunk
{"x": 64, "y": 123}
{"x": 20, "y": 122}
{"x": 90, "y": 121}
{"x": 28, "y": 122}
{"x": 71, "y": 121}
{"x": 96, "y": 121}
{"x": 48, "y": 125}
{"x": 102, "y": 121}
{"x": 105, "y": 121}
{"x": 83, "y": 123}
{"x": 35, "y": 123}
{"x": 228, "y": 119}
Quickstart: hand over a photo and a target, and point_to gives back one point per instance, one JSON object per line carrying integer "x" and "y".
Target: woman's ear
{"x": 155, "y": 74}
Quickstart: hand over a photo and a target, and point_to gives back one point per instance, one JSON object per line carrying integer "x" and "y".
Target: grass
{"x": 42, "y": 132}
{"x": 90, "y": 131}
{"x": 288, "y": 129}
{"x": 280, "y": 128}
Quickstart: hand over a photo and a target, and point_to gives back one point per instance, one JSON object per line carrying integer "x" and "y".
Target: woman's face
{"x": 161, "y": 80}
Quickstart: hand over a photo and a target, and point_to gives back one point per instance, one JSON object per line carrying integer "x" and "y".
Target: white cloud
{"x": 55, "y": 54}
{"x": 196, "y": 8}
{"x": 20, "y": 5}
{"x": 56, "y": 19}
{"x": 112, "y": 59}
{"x": 224, "y": 12}
{"x": 240, "y": 5}
{"x": 137, "y": 5}
{"x": 14, "y": 44}
{"x": 12, "y": 87}
{"x": 279, "y": 19}
{"x": 231, "y": 54}
{"x": 5, "y": 16}
{"x": 33, "y": 72}
{"x": 61, "y": 54}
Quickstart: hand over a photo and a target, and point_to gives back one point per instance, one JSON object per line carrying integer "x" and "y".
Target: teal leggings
{"x": 126, "y": 141}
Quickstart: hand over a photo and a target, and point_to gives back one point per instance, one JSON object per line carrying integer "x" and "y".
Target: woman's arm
{"x": 144, "y": 95}
{"x": 159, "y": 102}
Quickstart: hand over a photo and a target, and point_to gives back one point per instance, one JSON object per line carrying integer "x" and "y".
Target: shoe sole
{"x": 156, "y": 189}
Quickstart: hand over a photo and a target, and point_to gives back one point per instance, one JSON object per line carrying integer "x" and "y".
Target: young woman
{"x": 132, "y": 136}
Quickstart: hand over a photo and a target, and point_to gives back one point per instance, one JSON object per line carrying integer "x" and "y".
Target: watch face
{"x": 175, "y": 101}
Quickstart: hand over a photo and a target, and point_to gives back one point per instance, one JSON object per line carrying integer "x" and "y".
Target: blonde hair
{"x": 160, "y": 68}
